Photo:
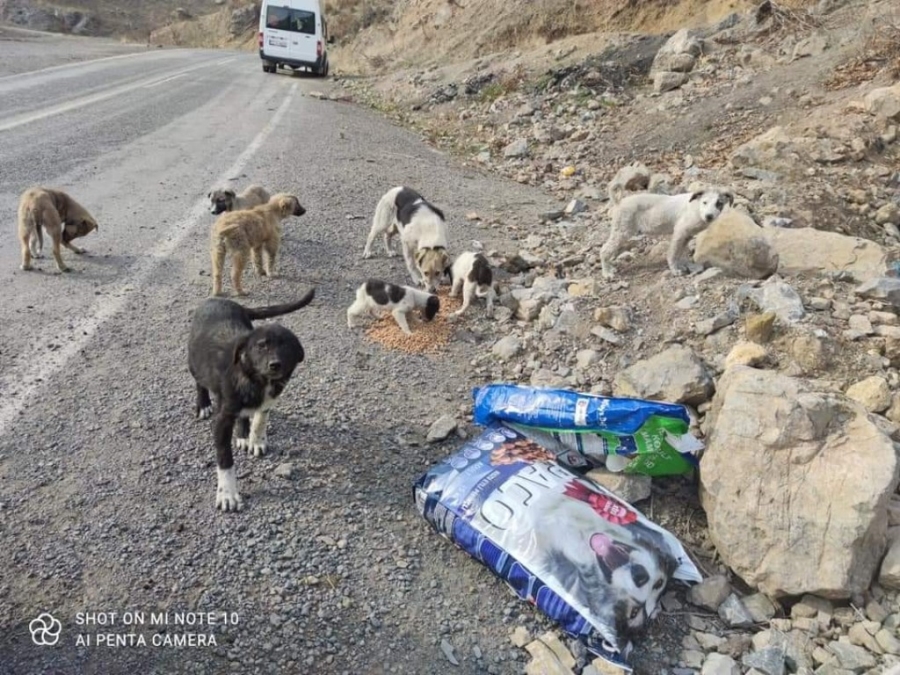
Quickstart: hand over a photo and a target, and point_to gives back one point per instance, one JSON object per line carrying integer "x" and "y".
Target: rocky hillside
{"x": 784, "y": 342}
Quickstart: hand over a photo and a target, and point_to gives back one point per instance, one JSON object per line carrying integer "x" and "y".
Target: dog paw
{"x": 204, "y": 413}
{"x": 257, "y": 448}
{"x": 227, "y": 496}
{"x": 366, "y": 255}
{"x": 241, "y": 443}
{"x": 78, "y": 251}
{"x": 26, "y": 268}
{"x": 65, "y": 270}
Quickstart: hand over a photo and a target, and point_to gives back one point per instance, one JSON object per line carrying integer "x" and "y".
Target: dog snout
{"x": 274, "y": 366}
{"x": 299, "y": 210}
{"x": 710, "y": 217}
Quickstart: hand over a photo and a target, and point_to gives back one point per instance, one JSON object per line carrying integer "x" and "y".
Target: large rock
{"x": 675, "y": 375}
{"x": 679, "y": 53}
{"x": 735, "y": 244}
{"x": 884, "y": 102}
{"x": 664, "y": 81}
{"x": 881, "y": 288}
{"x": 773, "y": 150}
{"x": 796, "y": 485}
{"x": 810, "y": 251}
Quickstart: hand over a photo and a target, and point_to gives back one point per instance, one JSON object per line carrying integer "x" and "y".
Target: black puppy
{"x": 246, "y": 369}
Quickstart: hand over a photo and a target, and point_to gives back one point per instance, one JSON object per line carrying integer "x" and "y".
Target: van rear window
{"x": 293, "y": 20}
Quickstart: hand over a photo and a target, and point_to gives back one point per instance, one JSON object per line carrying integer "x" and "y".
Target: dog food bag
{"x": 585, "y": 558}
{"x": 624, "y": 434}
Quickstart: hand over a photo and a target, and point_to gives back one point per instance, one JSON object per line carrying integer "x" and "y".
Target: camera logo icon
{"x": 45, "y": 630}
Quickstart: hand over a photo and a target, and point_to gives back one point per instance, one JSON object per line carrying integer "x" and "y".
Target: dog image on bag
{"x": 588, "y": 547}
{"x": 222, "y": 200}
{"x": 60, "y": 215}
{"x": 682, "y": 216}
{"x": 378, "y": 297}
{"x": 245, "y": 368}
{"x": 423, "y": 234}
{"x": 252, "y": 232}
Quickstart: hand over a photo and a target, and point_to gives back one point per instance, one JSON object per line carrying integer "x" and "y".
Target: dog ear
{"x": 420, "y": 255}
{"x": 445, "y": 260}
{"x": 729, "y": 197}
{"x": 209, "y": 195}
{"x": 696, "y": 195}
{"x": 239, "y": 348}
{"x": 230, "y": 193}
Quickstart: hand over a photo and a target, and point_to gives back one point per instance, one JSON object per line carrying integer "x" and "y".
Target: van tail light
{"x": 318, "y": 48}
{"x": 260, "y": 39}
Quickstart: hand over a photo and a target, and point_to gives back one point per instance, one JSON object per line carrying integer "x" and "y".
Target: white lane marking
{"x": 27, "y": 118}
{"x": 31, "y": 380}
{"x": 168, "y": 79}
{"x": 76, "y": 64}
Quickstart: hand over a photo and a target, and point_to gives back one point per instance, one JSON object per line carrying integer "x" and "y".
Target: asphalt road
{"x": 107, "y": 482}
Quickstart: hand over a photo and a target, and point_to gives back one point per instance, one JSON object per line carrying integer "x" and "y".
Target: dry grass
{"x": 428, "y": 337}
{"x": 879, "y": 51}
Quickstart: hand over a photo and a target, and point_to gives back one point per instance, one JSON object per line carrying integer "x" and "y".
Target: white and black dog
{"x": 472, "y": 273}
{"x": 683, "y": 216}
{"x": 379, "y": 297}
{"x": 245, "y": 369}
{"x": 423, "y": 234}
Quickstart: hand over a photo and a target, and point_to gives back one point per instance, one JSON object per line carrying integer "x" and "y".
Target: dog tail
{"x": 257, "y": 313}
{"x": 385, "y": 217}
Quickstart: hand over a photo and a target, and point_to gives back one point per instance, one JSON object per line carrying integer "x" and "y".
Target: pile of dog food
{"x": 427, "y": 337}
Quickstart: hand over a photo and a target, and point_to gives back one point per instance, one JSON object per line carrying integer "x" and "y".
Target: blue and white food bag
{"x": 634, "y": 435}
{"x": 588, "y": 560}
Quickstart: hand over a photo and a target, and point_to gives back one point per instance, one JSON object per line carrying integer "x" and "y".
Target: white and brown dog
{"x": 222, "y": 200}
{"x": 423, "y": 234}
{"x": 379, "y": 297}
{"x": 472, "y": 273}
{"x": 682, "y": 216}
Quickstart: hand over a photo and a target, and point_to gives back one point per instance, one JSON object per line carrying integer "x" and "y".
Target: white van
{"x": 293, "y": 34}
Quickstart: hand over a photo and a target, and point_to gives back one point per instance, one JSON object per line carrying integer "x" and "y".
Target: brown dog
{"x": 59, "y": 214}
{"x": 250, "y": 232}
{"x": 228, "y": 200}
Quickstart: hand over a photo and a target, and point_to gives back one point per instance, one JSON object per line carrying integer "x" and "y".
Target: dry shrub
{"x": 428, "y": 337}
{"x": 879, "y": 51}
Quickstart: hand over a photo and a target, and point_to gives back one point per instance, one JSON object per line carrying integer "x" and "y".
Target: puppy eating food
{"x": 682, "y": 216}
{"x": 472, "y": 272}
{"x": 255, "y": 232}
{"x": 228, "y": 200}
{"x": 59, "y": 214}
{"x": 379, "y": 297}
{"x": 245, "y": 369}
{"x": 423, "y": 234}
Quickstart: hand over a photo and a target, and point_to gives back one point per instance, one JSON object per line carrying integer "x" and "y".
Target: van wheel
{"x": 323, "y": 71}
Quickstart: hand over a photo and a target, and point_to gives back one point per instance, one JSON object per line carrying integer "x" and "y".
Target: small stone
{"x": 447, "y": 648}
{"x": 860, "y": 323}
{"x": 575, "y": 206}
{"x": 876, "y": 612}
{"x": 889, "y": 576}
{"x": 691, "y": 658}
{"x": 759, "y": 327}
{"x": 888, "y": 641}
{"x": 852, "y": 657}
{"x": 442, "y": 428}
{"x": 861, "y": 637}
{"x": 284, "y": 470}
{"x": 746, "y": 354}
{"x": 733, "y": 612}
{"x": 769, "y": 661}
{"x": 520, "y": 636}
{"x": 606, "y": 335}
{"x": 507, "y": 347}
{"x": 718, "y": 322}
{"x": 518, "y": 148}
{"x": 873, "y": 393}
{"x": 810, "y": 606}
{"x": 585, "y": 358}
{"x": 760, "y": 607}
{"x": 617, "y": 318}
{"x": 720, "y": 664}
{"x": 881, "y": 288}
{"x": 710, "y": 593}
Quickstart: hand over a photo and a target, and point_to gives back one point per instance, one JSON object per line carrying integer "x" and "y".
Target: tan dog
{"x": 59, "y": 214}
{"x": 250, "y": 232}
{"x": 228, "y": 200}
